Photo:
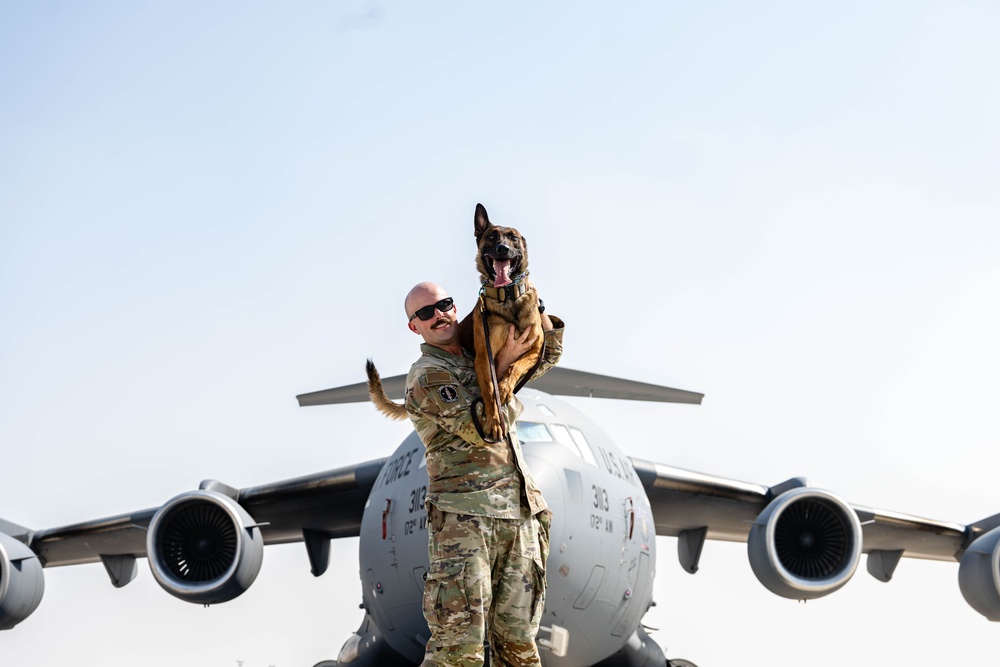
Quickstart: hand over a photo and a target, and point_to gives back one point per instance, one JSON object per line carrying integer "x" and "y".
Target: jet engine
{"x": 21, "y": 582}
{"x": 805, "y": 544}
{"x": 204, "y": 548}
{"x": 979, "y": 575}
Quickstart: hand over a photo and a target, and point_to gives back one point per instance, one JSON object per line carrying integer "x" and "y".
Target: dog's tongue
{"x": 502, "y": 268}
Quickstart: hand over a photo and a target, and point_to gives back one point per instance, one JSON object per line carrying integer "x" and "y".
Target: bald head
{"x": 423, "y": 294}
{"x": 440, "y": 328}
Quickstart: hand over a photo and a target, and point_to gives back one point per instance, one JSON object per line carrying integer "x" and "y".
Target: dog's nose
{"x": 503, "y": 250}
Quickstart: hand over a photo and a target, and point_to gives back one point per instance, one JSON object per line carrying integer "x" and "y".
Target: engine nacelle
{"x": 204, "y": 548}
{"x": 21, "y": 582}
{"x": 979, "y": 575}
{"x": 805, "y": 544}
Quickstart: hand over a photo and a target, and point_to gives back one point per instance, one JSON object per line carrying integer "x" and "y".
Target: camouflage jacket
{"x": 468, "y": 475}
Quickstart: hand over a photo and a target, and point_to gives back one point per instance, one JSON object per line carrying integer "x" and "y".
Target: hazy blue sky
{"x": 207, "y": 208}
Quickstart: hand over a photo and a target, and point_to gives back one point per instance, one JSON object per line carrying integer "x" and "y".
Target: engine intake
{"x": 204, "y": 548}
{"x": 979, "y": 575}
{"x": 21, "y": 582}
{"x": 805, "y": 544}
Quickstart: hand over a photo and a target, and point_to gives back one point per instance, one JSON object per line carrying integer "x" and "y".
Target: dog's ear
{"x": 482, "y": 221}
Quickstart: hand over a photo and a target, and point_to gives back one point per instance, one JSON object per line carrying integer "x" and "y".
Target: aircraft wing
{"x": 204, "y": 546}
{"x": 321, "y": 506}
{"x": 786, "y": 526}
{"x": 560, "y": 381}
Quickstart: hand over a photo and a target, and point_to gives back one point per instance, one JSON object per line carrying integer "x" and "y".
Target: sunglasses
{"x": 427, "y": 312}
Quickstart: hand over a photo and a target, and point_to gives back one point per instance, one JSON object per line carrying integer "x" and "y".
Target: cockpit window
{"x": 561, "y": 434}
{"x": 581, "y": 441}
{"x": 533, "y": 432}
{"x": 571, "y": 438}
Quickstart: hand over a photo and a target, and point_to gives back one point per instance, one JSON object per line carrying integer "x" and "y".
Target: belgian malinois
{"x": 506, "y": 297}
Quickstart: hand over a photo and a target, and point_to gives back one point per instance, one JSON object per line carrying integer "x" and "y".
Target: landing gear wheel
{"x": 680, "y": 663}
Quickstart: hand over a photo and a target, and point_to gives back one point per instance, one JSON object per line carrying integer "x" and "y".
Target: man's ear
{"x": 412, "y": 327}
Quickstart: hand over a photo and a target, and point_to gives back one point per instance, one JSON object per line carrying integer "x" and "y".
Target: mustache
{"x": 442, "y": 322}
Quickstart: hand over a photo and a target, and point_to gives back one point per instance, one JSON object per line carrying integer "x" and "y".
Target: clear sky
{"x": 207, "y": 208}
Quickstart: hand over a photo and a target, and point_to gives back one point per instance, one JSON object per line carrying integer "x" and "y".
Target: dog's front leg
{"x": 492, "y": 420}
{"x": 522, "y": 366}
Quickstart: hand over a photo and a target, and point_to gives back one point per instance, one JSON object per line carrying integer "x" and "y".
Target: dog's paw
{"x": 494, "y": 429}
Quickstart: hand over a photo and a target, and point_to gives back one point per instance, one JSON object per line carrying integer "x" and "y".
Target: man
{"x": 488, "y": 523}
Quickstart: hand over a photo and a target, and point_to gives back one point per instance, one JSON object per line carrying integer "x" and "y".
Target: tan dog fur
{"x": 494, "y": 243}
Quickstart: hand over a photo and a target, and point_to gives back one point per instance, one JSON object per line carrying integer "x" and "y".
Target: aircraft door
{"x": 638, "y": 552}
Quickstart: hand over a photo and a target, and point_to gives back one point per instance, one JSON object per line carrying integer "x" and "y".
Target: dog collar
{"x": 505, "y": 293}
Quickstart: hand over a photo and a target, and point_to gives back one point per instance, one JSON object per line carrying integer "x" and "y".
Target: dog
{"x": 506, "y": 297}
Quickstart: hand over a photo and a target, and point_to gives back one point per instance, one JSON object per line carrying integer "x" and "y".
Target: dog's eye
{"x": 492, "y": 237}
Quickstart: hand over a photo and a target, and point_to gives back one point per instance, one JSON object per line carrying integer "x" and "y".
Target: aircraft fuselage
{"x": 602, "y": 562}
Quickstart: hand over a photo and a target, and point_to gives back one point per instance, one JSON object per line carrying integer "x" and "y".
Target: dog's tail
{"x": 383, "y": 403}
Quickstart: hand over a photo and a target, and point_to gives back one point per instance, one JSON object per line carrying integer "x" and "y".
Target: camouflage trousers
{"x": 486, "y": 575}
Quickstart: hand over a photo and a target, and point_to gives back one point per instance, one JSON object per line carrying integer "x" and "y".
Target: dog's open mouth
{"x": 502, "y": 269}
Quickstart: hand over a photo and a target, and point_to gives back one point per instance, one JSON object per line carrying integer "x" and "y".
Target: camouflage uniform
{"x": 488, "y": 523}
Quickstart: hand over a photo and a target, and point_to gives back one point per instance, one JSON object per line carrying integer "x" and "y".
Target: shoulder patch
{"x": 432, "y": 378}
{"x": 448, "y": 393}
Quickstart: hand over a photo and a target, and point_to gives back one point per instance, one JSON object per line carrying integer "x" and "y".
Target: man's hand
{"x": 513, "y": 349}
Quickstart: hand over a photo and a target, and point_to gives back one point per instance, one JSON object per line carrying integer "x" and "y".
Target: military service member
{"x": 489, "y": 525}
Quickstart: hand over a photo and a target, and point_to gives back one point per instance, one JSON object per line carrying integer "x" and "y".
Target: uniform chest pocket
{"x": 446, "y": 599}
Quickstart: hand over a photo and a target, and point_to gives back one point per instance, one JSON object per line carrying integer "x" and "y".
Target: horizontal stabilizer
{"x": 558, "y": 381}
{"x": 567, "y": 382}
{"x": 353, "y": 393}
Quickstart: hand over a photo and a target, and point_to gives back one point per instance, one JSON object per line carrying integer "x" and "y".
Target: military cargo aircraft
{"x": 206, "y": 546}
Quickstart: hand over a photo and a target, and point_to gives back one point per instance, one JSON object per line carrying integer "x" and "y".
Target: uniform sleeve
{"x": 436, "y": 400}
{"x": 553, "y": 347}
